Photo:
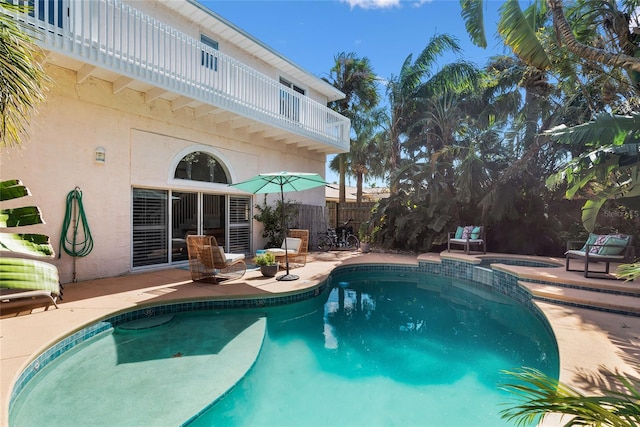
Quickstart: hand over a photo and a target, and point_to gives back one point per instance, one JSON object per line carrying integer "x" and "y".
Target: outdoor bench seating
{"x": 468, "y": 236}
{"x": 604, "y": 248}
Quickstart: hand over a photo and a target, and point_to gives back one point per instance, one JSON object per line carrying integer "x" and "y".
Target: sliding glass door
{"x": 158, "y": 214}
{"x": 184, "y": 221}
{"x": 214, "y": 217}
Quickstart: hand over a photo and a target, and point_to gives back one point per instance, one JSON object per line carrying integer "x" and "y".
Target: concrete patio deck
{"x": 588, "y": 340}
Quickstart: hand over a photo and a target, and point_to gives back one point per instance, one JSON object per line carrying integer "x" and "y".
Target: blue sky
{"x": 312, "y": 32}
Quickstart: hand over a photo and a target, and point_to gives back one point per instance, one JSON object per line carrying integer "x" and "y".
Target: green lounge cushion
{"x": 590, "y": 241}
{"x": 614, "y": 245}
{"x": 475, "y": 233}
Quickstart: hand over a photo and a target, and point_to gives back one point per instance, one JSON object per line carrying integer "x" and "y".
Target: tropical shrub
{"x": 271, "y": 219}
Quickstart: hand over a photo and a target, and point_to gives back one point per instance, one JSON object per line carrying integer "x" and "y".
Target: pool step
{"x": 585, "y": 298}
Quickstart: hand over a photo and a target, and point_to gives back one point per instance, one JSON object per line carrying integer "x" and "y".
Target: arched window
{"x": 201, "y": 166}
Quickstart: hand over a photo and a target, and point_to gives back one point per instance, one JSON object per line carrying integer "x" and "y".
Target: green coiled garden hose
{"x": 78, "y": 241}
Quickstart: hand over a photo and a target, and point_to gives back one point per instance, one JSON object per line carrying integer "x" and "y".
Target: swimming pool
{"x": 375, "y": 348}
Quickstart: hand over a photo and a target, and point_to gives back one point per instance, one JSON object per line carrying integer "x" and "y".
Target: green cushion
{"x": 475, "y": 233}
{"x": 617, "y": 243}
{"x": 459, "y": 231}
{"x": 590, "y": 241}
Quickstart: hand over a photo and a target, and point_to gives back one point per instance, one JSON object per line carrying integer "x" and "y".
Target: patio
{"x": 27, "y": 328}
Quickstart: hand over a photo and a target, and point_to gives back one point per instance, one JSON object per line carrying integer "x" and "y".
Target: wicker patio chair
{"x": 301, "y": 257}
{"x": 209, "y": 263}
{"x": 297, "y": 246}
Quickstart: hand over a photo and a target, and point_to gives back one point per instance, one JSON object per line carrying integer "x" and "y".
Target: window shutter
{"x": 240, "y": 225}
{"x": 149, "y": 227}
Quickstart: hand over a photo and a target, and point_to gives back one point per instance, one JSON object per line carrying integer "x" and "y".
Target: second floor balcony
{"x": 112, "y": 40}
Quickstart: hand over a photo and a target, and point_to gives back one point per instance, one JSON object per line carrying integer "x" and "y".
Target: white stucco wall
{"x": 141, "y": 142}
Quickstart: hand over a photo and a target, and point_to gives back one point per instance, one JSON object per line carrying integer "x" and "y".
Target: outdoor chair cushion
{"x": 465, "y": 240}
{"x": 293, "y": 247}
{"x": 605, "y": 244}
{"x": 603, "y": 248}
{"x": 207, "y": 260}
{"x": 459, "y": 231}
{"x": 593, "y": 256}
{"x": 467, "y": 236}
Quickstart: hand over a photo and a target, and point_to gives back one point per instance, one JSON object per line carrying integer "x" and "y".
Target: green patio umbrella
{"x": 281, "y": 182}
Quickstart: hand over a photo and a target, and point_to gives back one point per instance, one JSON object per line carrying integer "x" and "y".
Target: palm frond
{"x": 438, "y": 44}
{"x": 26, "y": 244}
{"x": 473, "y": 17}
{"x": 516, "y": 30}
{"x": 605, "y": 129}
{"x": 12, "y": 189}
{"x": 629, "y": 271}
{"x": 21, "y": 216}
{"x": 538, "y": 395}
{"x": 24, "y": 79}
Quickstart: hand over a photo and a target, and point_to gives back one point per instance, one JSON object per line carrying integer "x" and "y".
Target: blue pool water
{"x": 383, "y": 348}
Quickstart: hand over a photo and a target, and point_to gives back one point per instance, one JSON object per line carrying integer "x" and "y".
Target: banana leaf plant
{"x": 21, "y": 272}
{"x": 608, "y": 167}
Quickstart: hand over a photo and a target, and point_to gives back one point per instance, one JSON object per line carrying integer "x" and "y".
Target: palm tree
{"x": 519, "y": 97}
{"x": 22, "y": 78}
{"x": 417, "y": 81}
{"x": 367, "y": 155}
{"x": 22, "y": 82}
{"x": 355, "y": 78}
{"x": 622, "y": 49}
{"x": 540, "y": 395}
{"x": 521, "y": 31}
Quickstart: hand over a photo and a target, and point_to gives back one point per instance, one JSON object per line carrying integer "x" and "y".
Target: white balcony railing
{"x": 115, "y": 36}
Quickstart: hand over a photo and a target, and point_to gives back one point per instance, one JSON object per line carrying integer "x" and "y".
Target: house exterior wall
{"x": 143, "y": 141}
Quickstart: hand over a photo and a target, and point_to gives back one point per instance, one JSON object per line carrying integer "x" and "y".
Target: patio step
{"x": 585, "y": 298}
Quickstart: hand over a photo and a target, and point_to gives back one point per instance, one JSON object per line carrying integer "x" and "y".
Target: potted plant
{"x": 267, "y": 263}
{"x": 365, "y": 237}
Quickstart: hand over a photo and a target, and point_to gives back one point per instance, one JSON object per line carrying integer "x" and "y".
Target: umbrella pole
{"x": 285, "y": 277}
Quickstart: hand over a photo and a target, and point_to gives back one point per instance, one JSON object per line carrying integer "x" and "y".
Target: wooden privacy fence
{"x": 317, "y": 219}
{"x": 338, "y": 213}
{"x": 312, "y": 218}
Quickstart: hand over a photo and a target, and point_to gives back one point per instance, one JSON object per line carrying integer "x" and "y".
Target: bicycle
{"x": 338, "y": 238}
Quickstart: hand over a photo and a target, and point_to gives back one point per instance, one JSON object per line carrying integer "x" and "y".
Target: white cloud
{"x": 421, "y": 2}
{"x": 383, "y": 4}
{"x": 372, "y": 4}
